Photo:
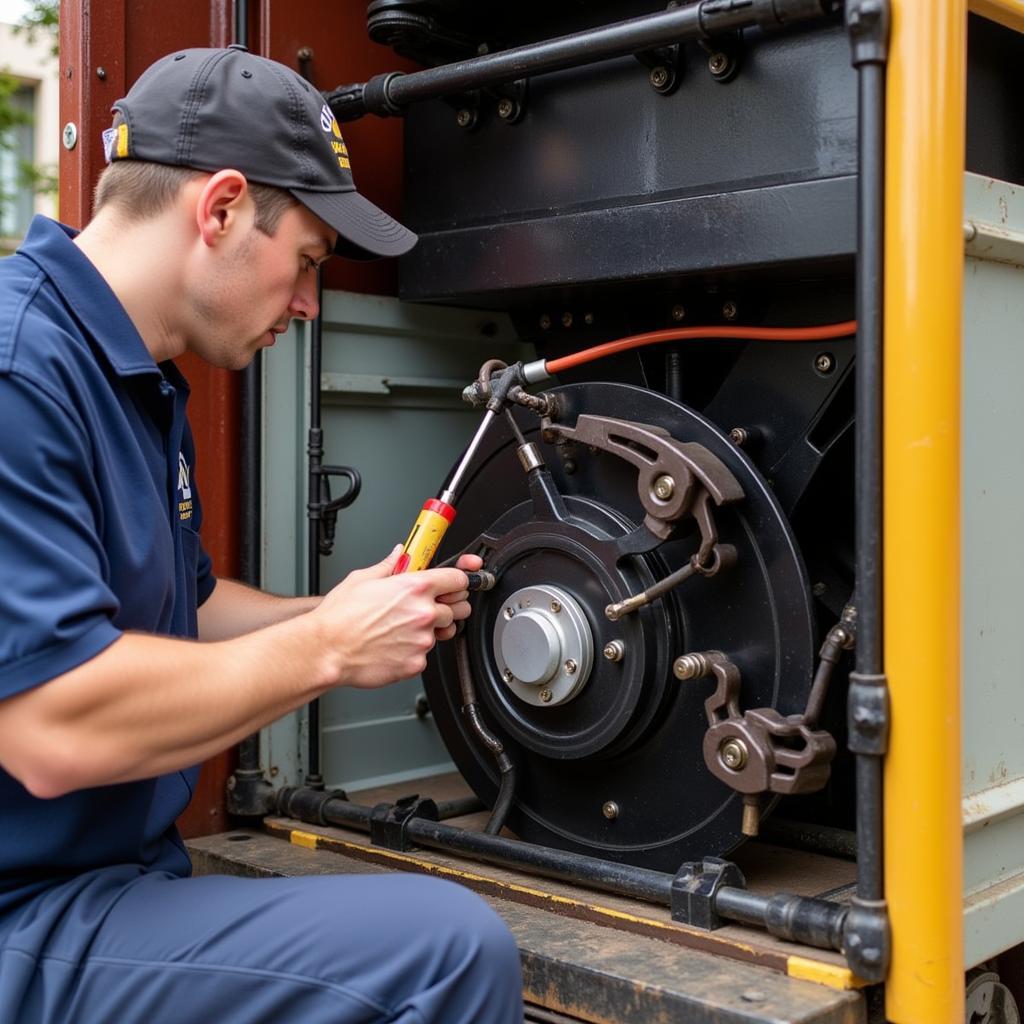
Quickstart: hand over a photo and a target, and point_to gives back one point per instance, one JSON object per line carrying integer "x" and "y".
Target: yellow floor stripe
{"x": 824, "y": 974}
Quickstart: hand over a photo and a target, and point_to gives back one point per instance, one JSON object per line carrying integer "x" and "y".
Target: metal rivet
{"x": 545, "y": 696}
{"x": 664, "y": 487}
{"x": 678, "y": 312}
{"x": 824, "y": 362}
{"x": 101, "y": 73}
{"x": 659, "y": 77}
{"x": 729, "y": 310}
{"x": 545, "y": 321}
{"x": 733, "y": 753}
{"x": 464, "y": 118}
{"x": 70, "y": 135}
{"x": 509, "y": 612}
{"x": 610, "y": 809}
{"x": 614, "y": 650}
{"x": 556, "y": 606}
{"x": 570, "y": 667}
{"x": 506, "y": 108}
{"x": 567, "y": 319}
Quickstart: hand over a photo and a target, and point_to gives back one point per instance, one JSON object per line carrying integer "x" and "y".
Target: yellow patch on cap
{"x": 122, "y": 140}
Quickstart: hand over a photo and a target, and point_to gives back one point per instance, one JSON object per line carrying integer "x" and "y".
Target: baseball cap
{"x": 210, "y": 109}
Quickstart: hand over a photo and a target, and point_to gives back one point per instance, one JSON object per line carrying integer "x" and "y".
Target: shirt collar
{"x": 49, "y": 244}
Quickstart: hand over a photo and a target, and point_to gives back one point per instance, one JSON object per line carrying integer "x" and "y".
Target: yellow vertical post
{"x": 923, "y": 307}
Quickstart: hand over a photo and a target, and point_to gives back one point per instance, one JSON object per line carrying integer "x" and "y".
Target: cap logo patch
{"x": 329, "y": 124}
{"x": 115, "y": 142}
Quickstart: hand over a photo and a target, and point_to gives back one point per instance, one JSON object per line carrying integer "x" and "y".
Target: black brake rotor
{"x": 616, "y": 770}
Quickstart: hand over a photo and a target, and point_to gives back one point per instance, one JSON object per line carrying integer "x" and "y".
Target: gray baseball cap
{"x": 214, "y": 109}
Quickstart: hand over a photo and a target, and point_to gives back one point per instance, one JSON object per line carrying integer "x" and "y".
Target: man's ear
{"x": 219, "y": 204}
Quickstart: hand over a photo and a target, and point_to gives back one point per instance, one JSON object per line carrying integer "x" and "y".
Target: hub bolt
{"x": 545, "y": 695}
{"x": 570, "y": 667}
{"x": 556, "y": 606}
{"x": 509, "y": 612}
{"x": 664, "y": 487}
{"x": 610, "y": 809}
{"x": 614, "y": 650}
{"x": 507, "y": 675}
{"x": 733, "y": 754}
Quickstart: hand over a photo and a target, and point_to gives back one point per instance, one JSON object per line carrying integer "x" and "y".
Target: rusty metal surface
{"x": 588, "y": 973}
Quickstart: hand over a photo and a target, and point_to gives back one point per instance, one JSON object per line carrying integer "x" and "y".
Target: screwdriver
{"x": 438, "y": 513}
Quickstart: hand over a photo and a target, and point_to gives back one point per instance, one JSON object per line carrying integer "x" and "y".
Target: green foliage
{"x": 41, "y": 20}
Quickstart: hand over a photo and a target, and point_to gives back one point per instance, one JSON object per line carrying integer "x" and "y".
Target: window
{"x": 17, "y": 154}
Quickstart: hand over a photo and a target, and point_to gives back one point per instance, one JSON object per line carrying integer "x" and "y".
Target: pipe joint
{"x": 867, "y": 22}
{"x": 867, "y": 941}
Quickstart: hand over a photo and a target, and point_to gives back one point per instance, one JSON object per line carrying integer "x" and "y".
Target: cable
{"x": 609, "y": 348}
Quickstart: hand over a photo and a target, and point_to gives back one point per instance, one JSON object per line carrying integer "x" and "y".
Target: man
{"x": 229, "y": 184}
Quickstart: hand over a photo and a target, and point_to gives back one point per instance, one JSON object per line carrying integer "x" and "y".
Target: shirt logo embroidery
{"x": 184, "y": 489}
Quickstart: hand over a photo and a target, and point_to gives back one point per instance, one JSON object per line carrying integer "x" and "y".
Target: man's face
{"x": 256, "y": 285}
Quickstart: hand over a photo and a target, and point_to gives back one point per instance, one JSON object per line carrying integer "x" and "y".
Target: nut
{"x": 664, "y": 487}
{"x": 570, "y": 667}
{"x": 506, "y": 108}
{"x": 718, "y": 63}
{"x": 507, "y": 675}
{"x": 556, "y": 606}
{"x": 545, "y": 696}
{"x": 464, "y": 118}
{"x": 614, "y": 650}
{"x": 509, "y": 612}
{"x": 610, "y": 809}
{"x": 739, "y": 436}
{"x": 733, "y": 753}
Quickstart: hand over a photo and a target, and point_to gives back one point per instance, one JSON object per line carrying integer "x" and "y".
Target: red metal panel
{"x": 342, "y": 52}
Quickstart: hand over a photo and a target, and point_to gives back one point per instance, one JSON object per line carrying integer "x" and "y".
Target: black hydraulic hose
{"x": 506, "y": 769}
{"x": 315, "y": 451}
{"x": 389, "y": 94}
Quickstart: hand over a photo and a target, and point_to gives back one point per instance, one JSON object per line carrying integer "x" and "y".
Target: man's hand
{"x": 381, "y": 627}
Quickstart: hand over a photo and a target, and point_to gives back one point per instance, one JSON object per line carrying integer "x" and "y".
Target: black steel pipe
{"x": 389, "y": 94}
{"x": 868, "y": 445}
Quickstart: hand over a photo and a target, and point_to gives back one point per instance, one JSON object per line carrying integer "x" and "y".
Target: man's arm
{"x": 234, "y": 609}
{"x": 148, "y": 705}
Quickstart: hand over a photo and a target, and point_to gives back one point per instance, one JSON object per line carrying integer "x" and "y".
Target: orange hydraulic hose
{"x": 588, "y": 355}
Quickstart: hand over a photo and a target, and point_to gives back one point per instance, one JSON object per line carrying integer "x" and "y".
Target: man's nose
{"x": 304, "y": 303}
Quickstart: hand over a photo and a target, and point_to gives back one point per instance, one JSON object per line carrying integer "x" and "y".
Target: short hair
{"x": 140, "y": 190}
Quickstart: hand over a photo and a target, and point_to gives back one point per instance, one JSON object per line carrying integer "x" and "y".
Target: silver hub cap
{"x": 543, "y": 646}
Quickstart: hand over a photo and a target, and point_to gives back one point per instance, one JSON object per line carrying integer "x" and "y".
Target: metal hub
{"x": 543, "y": 646}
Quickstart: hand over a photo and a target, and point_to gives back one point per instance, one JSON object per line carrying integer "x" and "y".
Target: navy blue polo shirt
{"x": 99, "y": 514}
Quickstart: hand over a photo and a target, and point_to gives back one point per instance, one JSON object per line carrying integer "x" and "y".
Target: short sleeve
{"x": 56, "y": 609}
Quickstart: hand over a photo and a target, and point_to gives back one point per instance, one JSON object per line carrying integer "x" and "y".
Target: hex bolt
{"x": 739, "y": 436}
{"x": 556, "y": 606}
{"x": 70, "y": 135}
{"x": 545, "y": 696}
{"x": 545, "y": 321}
{"x": 507, "y": 675}
{"x": 659, "y": 77}
{"x": 570, "y": 667}
{"x": 664, "y": 487}
{"x": 729, "y": 310}
{"x": 614, "y": 650}
{"x": 509, "y": 612}
{"x": 678, "y": 312}
{"x": 567, "y": 319}
{"x": 824, "y": 362}
{"x": 733, "y": 754}
{"x": 690, "y": 666}
{"x": 718, "y": 63}
{"x": 464, "y": 117}
{"x": 610, "y": 809}
{"x": 506, "y": 108}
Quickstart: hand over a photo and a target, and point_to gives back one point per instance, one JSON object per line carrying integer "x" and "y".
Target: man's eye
{"x": 308, "y": 264}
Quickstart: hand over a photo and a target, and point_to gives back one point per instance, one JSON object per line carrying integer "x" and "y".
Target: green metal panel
{"x": 391, "y": 392}
{"x": 992, "y": 553}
